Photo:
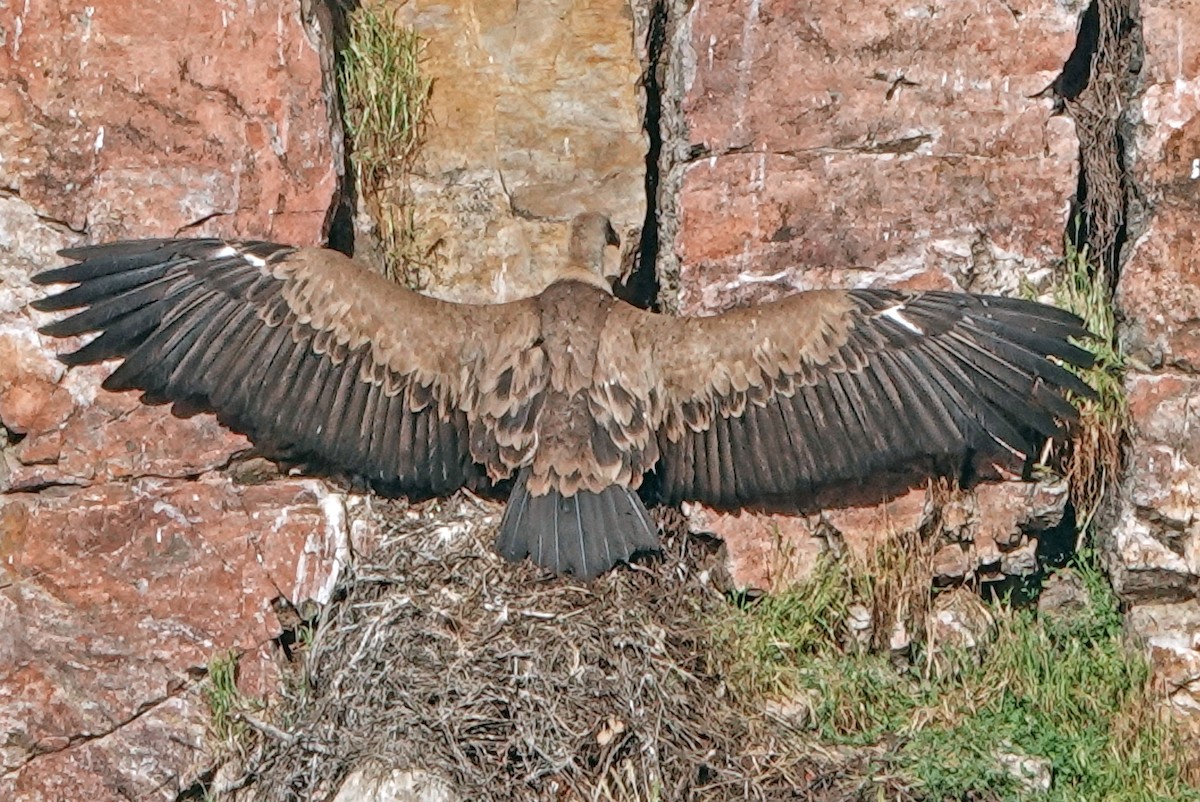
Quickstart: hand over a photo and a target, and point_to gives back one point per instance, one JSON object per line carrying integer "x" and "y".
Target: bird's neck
{"x": 589, "y": 255}
{"x": 576, "y": 271}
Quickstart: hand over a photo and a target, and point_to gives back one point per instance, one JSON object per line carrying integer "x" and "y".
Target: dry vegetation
{"x": 654, "y": 684}
{"x": 1093, "y": 462}
{"x": 385, "y": 96}
{"x": 438, "y": 656}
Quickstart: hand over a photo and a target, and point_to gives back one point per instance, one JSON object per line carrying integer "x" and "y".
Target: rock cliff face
{"x": 802, "y": 145}
{"x": 128, "y": 558}
{"x": 1154, "y": 552}
{"x": 858, "y": 145}
{"x": 537, "y": 117}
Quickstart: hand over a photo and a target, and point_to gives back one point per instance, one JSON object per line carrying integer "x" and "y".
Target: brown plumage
{"x": 576, "y": 393}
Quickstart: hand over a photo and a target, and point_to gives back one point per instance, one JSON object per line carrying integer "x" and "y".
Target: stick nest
{"x": 500, "y": 683}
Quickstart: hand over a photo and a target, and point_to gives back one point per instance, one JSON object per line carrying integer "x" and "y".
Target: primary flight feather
{"x": 576, "y": 393}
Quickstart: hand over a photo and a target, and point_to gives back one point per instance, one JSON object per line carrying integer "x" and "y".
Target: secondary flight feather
{"x": 574, "y": 392}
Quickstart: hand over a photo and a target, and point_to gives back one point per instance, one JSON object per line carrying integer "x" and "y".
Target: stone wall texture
{"x": 537, "y": 116}
{"x": 128, "y": 558}
{"x": 1155, "y": 549}
{"x": 863, "y": 144}
{"x": 804, "y": 145}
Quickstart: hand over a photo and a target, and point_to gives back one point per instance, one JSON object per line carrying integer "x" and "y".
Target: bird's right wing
{"x": 823, "y": 390}
{"x": 311, "y": 355}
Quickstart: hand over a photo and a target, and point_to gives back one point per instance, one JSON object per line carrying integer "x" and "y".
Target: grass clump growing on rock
{"x": 226, "y": 702}
{"x": 386, "y": 97}
{"x": 1093, "y": 462}
{"x": 1065, "y": 695}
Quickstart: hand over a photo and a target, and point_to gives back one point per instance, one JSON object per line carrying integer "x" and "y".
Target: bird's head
{"x": 591, "y": 233}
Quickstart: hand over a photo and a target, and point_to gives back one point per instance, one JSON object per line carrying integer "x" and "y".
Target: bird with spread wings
{"x": 574, "y": 392}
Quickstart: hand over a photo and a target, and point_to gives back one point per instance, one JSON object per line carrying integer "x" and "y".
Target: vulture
{"x": 573, "y": 394}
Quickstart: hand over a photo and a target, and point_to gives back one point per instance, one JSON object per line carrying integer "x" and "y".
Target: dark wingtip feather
{"x": 120, "y": 249}
{"x": 56, "y": 275}
{"x": 51, "y": 303}
{"x": 67, "y": 327}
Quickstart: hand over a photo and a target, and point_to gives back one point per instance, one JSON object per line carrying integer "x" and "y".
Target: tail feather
{"x": 584, "y": 534}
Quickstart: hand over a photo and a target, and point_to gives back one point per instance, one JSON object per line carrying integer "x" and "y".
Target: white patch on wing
{"x": 896, "y": 314}
{"x": 226, "y": 251}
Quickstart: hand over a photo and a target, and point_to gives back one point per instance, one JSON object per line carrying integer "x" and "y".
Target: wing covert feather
{"x": 783, "y": 401}
{"x": 310, "y": 354}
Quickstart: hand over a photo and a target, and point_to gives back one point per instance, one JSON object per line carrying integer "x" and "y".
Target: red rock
{"x": 133, "y": 761}
{"x": 767, "y": 552}
{"x": 1158, "y": 291}
{"x": 128, "y": 120}
{"x": 1165, "y": 459}
{"x": 863, "y": 144}
{"x": 175, "y": 572}
{"x": 1171, "y": 634}
{"x": 1007, "y": 513}
{"x": 853, "y": 144}
{"x": 31, "y": 400}
{"x": 125, "y": 120}
{"x": 1154, "y": 544}
{"x": 951, "y": 565}
{"x": 763, "y": 552}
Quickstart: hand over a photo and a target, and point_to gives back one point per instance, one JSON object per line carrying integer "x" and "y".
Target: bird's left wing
{"x": 310, "y": 354}
{"x": 787, "y": 400}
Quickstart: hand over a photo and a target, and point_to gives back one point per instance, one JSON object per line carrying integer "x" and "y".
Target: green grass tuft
{"x": 1068, "y": 691}
{"x": 225, "y": 701}
{"x": 1093, "y": 462}
{"x": 768, "y": 645}
{"x": 386, "y": 99}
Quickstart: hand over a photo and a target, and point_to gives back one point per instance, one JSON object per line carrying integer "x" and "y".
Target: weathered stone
{"x": 860, "y": 627}
{"x": 176, "y": 573}
{"x": 1001, "y": 522}
{"x": 119, "y": 121}
{"x": 1021, "y": 561}
{"x": 856, "y": 144}
{"x": 987, "y": 561}
{"x": 119, "y": 586}
{"x": 1143, "y": 568}
{"x": 138, "y": 757}
{"x": 762, "y": 551}
{"x": 997, "y": 525}
{"x": 900, "y": 641}
{"x": 1158, "y": 280}
{"x": 951, "y": 565}
{"x": 1063, "y": 597}
{"x": 1153, "y": 551}
{"x": 536, "y": 116}
{"x": 1155, "y": 554}
{"x": 1171, "y": 634}
{"x": 1033, "y": 774}
{"x": 772, "y": 551}
{"x": 1157, "y": 291}
{"x": 365, "y": 785}
{"x": 1009, "y": 511}
{"x": 958, "y": 628}
{"x": 1165, "y": 470}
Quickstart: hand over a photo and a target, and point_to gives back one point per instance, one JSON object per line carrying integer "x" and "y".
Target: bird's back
{"x": 575, "y": 506}
{"x": 573, "y": 316}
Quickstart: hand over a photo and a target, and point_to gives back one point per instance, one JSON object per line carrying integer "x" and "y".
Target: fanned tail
{"x": 584, "y": 534}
